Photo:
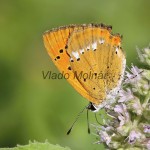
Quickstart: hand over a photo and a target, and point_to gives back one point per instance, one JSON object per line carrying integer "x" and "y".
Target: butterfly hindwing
{"x": 97, "y": 64}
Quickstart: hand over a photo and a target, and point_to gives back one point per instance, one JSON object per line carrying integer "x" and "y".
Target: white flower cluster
{"x": 128, "y": 123}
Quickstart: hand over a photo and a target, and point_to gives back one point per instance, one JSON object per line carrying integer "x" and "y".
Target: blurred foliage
{"x": 37, "y": 146}
{"x": 32, "y": 108}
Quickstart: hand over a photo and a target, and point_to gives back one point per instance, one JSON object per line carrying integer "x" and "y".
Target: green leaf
{"x": 37, "y": 146}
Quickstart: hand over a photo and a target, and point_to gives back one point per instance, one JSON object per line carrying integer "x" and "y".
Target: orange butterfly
{"x": 92, "y": 57}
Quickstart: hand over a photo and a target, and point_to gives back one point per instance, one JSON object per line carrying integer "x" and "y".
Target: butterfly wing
{"x": 98, "y": 60}
{"x": 55, "y": 42}
{"x": 90, "y": 55}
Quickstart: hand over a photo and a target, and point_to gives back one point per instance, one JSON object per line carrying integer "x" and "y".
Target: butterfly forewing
{"x": 55, "y": 42}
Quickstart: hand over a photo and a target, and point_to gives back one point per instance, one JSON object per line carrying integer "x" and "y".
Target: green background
{"x": 32, "y": 108}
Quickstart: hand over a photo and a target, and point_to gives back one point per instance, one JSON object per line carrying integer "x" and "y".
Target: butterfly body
{"x": 92, "y": 57}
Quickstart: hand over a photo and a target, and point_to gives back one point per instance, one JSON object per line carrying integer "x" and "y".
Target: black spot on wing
{"x": 58, "y": 57}
{"x": 69, "y": 68}
{"x": 61, "y": 50}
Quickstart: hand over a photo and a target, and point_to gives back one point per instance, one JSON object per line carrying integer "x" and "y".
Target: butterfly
{"x": 92, "y": 57}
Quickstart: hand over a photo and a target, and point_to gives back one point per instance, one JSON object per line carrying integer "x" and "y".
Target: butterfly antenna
{"x": 97, "y": 120}
{"x": 76, "y": 120}
{"x": 88, "y": 121}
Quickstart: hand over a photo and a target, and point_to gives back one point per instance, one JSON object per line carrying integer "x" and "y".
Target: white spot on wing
{"x": 101, "y": 41}
{"x": 81, "y": 51}
{"x": 117, "y": 49}
{"x": 75, "y": 54}
{"x": 94, "y": 46}
{"x": 88, "y": 47}
{"x": 71, "y": 59}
